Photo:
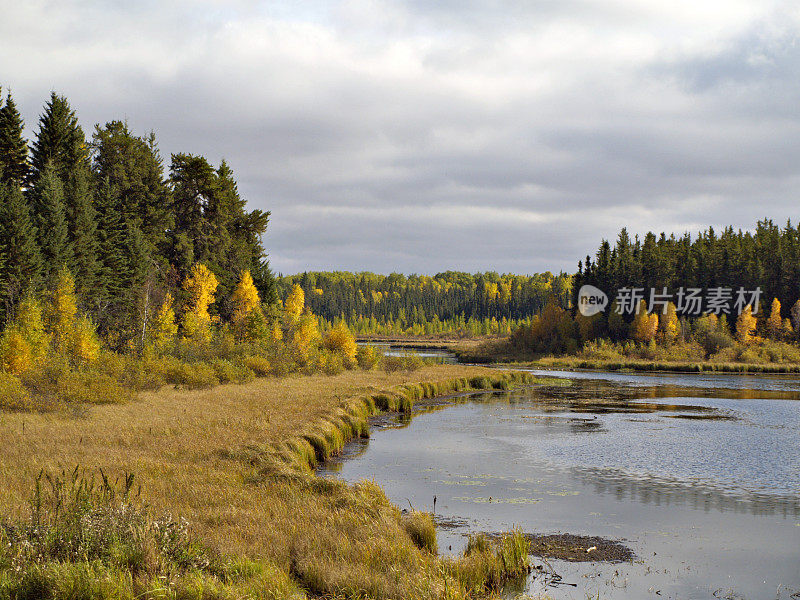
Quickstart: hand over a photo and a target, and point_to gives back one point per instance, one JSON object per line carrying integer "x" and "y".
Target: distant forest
{"x": 481, "y": 303}
{"x": 128, "y": 230}
{"x": 768, "y": 257}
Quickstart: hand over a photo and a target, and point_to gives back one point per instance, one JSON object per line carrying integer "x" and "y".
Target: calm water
{"x": 699, "y": 474}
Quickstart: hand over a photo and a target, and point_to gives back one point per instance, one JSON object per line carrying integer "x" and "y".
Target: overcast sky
{"x": 420, "y": 136}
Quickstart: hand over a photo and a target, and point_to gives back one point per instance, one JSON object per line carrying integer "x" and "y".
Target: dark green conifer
{"x": 51, "y": 221}
{"x": 22, "y": 267}
{"x": 82, "y": 219}
{"x": 13, "y": 147}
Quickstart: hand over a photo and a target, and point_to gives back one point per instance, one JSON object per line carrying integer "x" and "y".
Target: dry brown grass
{"x": 189, "y": 451}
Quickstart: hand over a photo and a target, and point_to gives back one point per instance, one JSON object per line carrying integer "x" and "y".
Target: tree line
{"x": 767, "y": 258}
{"x": 449, "y": 302}
{"x": 128, "y": 230}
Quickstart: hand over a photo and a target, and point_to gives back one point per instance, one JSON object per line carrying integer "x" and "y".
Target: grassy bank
{"x": 572, "y": 362}
{"x": 235, "y": 462}
{"x": 665, "y": 366}
{"x": 761, "y": 357}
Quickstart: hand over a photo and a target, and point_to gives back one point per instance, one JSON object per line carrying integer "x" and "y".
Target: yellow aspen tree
{"x": 244, "y": 298}
{"x": 774, "y": 323}
{"x": 339, "y": 339}
{"x": 787, "y": 330}
{"x": 248, "y": 321}
{"x": 745, "y": 325}
{"x": 304, "y": 335}
{"x": 201, "y": 285}
{"x": 15, "y": 352}
{"x": 668, "y": 323}
{"x": 61, "y": 310}
{"x": 295, "y": 301}
{"x": 644, "y": 326}
{"x": 25, "y": 340}
{"x": 84, "y": 343}
{"x": 163, "y": 328}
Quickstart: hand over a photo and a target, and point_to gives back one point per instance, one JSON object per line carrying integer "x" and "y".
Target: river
{"x": 699, "y": 475}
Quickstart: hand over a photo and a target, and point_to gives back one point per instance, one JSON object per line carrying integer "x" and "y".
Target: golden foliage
{"x": 248, "y": 321}
{"x": 668, "y": 323}
{"x": 294, "y": 304}
{"x": 244, "y": 298}
{"x": 30, "y": 324}
{"x": 84, "y": 343}
{"x": 340, "y": 340}
{"x": 163, "y": 328}
{"x": 304, "y": 335}
{"x": 15, "y": 352}
{"x": 745, "y": 325}
{"x": 774, "y": 323}
{"x": 201, "y": 285}
{"x": 644, "y": 326}
{"x": 61, "y": 310}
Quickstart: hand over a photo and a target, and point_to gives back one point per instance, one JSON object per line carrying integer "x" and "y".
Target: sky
{"x": 421, "y": 136}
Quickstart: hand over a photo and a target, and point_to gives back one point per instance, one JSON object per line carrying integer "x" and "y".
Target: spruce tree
{"x": 51, "y": 222}
{"x": 13, "y": 147}
{"x": 60, "y": 140}
{"x": 22, "y": 267}
{"x": 82, "y": 220}
{"x": 111, "y": 237}
{"x": 134, "y": 168}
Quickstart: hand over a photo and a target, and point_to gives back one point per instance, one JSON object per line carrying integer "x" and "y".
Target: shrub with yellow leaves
{"x": 304, "y": 335}
{"x": 61, "y": 309}
{"x": 15, "y": 352}
{"x": 644, "y": 326}
{"x": 84, "y": 343}
{"x": 163, "y": 327}
{"x": 341, "y": 341}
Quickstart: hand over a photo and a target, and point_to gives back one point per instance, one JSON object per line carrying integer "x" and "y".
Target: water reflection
{"x": 704, "y": 483}
{"x": 666, "y": 492}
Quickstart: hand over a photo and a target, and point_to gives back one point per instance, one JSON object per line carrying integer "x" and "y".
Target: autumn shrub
{"x": 367, "y": 357}
{"x": 16, "y": 354}
{"x": 91, "y": 387}
{"x": 340, "y": 340}
{"x": 392, "y": 364}
{"x": 330, "y": 363}
{"x": 229, "y": 372}
{"x": 13, "y": 394}
{"x": 259, "y": 365}
{"x": 749, "y": 356}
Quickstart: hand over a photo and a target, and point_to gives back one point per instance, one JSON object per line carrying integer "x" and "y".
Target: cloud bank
{"x": 423, "y": 136}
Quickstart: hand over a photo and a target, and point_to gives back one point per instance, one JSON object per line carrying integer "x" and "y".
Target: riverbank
{"x": 235, "y": 462}
{"x": 496, "y": 355}
{"x": 573, "y": 363}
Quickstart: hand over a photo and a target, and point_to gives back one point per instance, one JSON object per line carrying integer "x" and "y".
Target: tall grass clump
{"x": 420, "y": 528}
{"x": 488, "y": 563}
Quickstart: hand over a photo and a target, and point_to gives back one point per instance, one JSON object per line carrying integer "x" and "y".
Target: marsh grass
{"x": 236, "y": 462}
{"x": 420, "y": 528}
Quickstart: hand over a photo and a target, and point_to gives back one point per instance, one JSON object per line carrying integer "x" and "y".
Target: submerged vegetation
{"x": 229, "y": 506}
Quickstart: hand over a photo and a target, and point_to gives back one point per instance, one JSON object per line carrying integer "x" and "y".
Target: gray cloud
{"x": 416, "y": 136}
